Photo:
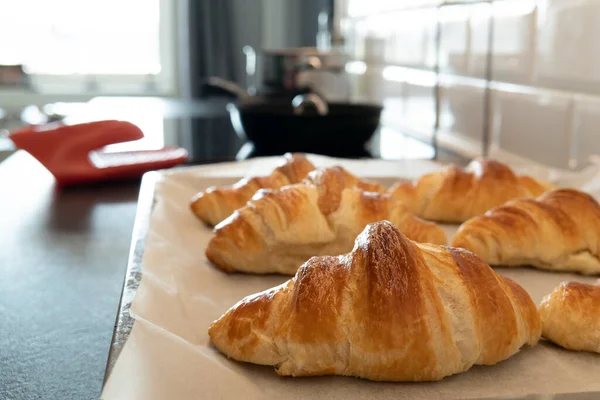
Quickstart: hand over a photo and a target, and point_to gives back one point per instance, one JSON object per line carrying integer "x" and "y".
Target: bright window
{"x": 102, "y": 46}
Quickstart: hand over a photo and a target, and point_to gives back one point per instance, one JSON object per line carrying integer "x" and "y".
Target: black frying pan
{"x": 274, "y": 125}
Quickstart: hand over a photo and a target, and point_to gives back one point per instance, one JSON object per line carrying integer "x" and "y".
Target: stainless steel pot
{"x": 297, "y": 70}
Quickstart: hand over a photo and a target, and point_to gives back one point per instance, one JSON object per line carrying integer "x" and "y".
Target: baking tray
{"x": 133, "y": 273}
{"x": 124, "y": 322}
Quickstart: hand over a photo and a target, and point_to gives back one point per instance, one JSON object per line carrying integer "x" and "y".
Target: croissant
{"x": 560, "y": 231}
{"x": 278, "y": 230}
{"x": 571, "y": 316}
{"x": 391, "y": 310}
{"x": 455, "y": 194}
{"x": 217, "y": 203}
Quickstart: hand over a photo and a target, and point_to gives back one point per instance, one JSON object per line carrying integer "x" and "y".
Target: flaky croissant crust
{"x": 571, "y": 316}
{"x": 559, "y": 230}
{"x": 391, "y": 310}
{"x": 217, "y": 203}
{"x": 278, "y": 230}
{"x": 455, "y": 194}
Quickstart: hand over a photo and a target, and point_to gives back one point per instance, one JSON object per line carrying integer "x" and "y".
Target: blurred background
{"x": 225, "y": 80}
{"x": 513, "y": 79}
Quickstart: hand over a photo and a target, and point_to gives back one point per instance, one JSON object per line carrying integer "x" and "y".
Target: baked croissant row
{"x": 391, "y": 310}
{"x": 217, "y": 203}
{"x": 455, "y": 194}
{"x": 560, "y": 231}
{"x": 278, "y": 230}
{"x": 571, "y": 316}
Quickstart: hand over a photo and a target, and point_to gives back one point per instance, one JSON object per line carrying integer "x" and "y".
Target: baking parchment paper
{"x": 169, "y": 356}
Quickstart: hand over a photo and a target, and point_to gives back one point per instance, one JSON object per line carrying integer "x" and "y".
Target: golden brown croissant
{"x": 560, "y": 230}
{"x": 571, "y": 316}
{"x": 455, "y": 194}
{"x": 217, "y": 203}
{"x": 390, "y": 310}
{"x": 278, "y": 230}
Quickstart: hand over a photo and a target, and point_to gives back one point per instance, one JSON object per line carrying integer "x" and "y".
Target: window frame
{"x": 73, "y": 87}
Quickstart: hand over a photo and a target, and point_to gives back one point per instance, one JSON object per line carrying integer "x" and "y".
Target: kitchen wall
{"x": 272, "y": 24}
{"x": 523, "y": 73}
{"x": 213, "y": 34}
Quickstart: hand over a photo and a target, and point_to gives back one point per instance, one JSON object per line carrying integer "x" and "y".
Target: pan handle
{"x": 308, "y": 63}
{"x": 218, "y": 85}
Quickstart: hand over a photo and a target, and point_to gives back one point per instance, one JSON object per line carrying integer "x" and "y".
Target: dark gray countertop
{"x": 63, "y": 255}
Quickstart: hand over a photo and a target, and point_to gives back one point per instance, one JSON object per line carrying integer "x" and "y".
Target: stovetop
{"x": 205, "y": 130}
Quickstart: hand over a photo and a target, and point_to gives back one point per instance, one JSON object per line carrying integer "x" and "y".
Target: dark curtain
{"x": 209, "y": 47}
{"x": 213, "y": 32}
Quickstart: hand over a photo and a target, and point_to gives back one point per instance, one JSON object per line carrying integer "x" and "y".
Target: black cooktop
{"x": 205, "y": 130}
{"x": 210, "y": 139}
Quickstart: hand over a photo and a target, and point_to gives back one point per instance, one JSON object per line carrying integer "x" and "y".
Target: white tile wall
{"x": 394, "y": 93}
{"x": 362, "y": 8}
{"x": 586, "y": 129}
{"x": 513, "y": 44}
{"x": 545, "y": 72}
{"x": 479, "y": 25}
{"x": 392, "y": 29}
{"x": 462, "y": 109}
{"x": 454, "y": 39}
{"x": 420, "y": 108}
{"x": 534, "y": 124}
{"x": 410, "y": 100}
{"x": 568, "y": 51}
{"x": 412, "y": 42}
{"x": 368, "y": 87}
{"x": 357, "y": 36}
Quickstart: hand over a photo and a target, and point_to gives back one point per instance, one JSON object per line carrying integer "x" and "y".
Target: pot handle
{"x": 218, "y": 85}
{"x": 303, "y": 102}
